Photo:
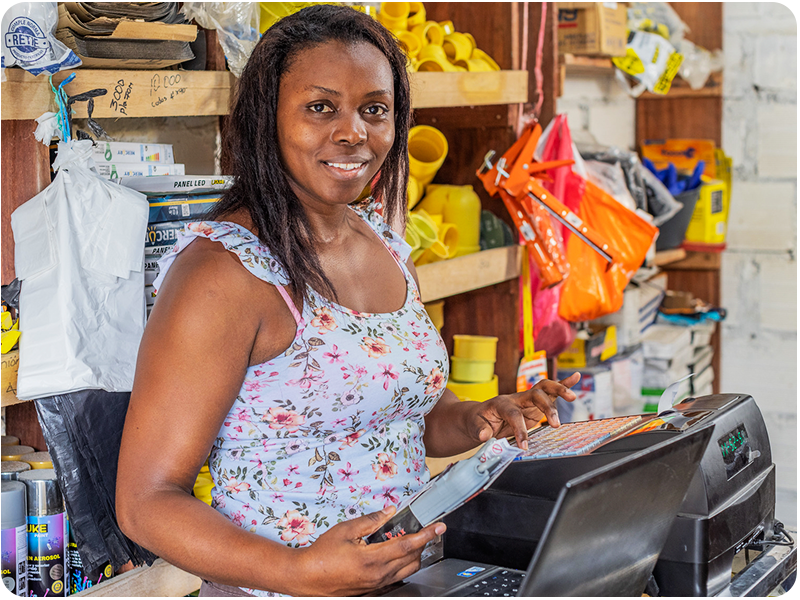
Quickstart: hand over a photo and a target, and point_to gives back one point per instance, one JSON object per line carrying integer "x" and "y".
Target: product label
{"x": 47, "y": 556}
{"x": 25, "y": 40}
{"x": 14, "y": 545}
{"x": 79, "y": 578}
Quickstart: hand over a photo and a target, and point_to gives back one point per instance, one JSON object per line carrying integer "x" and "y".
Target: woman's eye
{"x": 320, "y": 108}
{"x": 377, "y": 110}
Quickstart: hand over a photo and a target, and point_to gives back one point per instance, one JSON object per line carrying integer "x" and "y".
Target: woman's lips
{"x": 345, "y": 170}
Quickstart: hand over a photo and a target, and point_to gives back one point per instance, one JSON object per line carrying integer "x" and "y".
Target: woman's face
{"x": 335, "y": 121}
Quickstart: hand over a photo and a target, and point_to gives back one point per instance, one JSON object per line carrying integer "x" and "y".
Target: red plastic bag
{"x": 593, "y": 288}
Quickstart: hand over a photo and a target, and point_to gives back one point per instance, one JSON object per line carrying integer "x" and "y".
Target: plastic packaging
{"x": 698, "y": 63}
{"x": 661, "y": 204}
{"x": 78, "y": 252}
{"x": 611, "y": 179}
{"x": 237, "y": 24}
{"x": 631, "y": 167}
{"x": 29, "y": 41}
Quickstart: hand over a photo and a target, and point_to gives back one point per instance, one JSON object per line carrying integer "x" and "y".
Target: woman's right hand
{"x": 341, "y": 563}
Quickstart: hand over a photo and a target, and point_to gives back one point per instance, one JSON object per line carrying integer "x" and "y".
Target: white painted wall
{"x": 759, "y": 268}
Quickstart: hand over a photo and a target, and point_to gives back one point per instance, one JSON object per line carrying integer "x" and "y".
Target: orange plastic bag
{"x": 594, "y": 288}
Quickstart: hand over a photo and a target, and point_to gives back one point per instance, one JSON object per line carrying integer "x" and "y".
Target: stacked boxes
{"x": 668, "y": 354}
{"x": 169, "y": 213}
{"x": 131, "y": 159}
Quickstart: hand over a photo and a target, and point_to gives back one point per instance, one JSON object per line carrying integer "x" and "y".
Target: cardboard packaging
{"x": 709, "y": 219}
{"x": 127, "y": 152}
{"x": 596, "y": 28}
{"x": 10, "y": 367}
{"x": 599, "y": 345}
{"x": 594, "y": 391}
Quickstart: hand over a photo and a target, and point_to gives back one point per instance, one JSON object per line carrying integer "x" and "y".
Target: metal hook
{"x": 501, "y": 164}
{"x": 487, "y": 162}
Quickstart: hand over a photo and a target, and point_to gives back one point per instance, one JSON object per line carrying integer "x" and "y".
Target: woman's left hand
{"x": 515, "y": 414}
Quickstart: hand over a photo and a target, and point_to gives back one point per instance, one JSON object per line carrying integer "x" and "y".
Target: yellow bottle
{"x": 463, "y": 209}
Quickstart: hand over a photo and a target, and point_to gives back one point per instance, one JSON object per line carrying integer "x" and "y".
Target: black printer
{"x": 730, "y": 502}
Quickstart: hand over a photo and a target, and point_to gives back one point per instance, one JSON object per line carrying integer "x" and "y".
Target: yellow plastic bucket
{"x": 475, "y": 347}
{"x": 477, "y": 392}
{"x": 467, "y": 370}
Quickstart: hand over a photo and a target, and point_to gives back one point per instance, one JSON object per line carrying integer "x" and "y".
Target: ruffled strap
{"x": 236, "y": 239}
{"x": 394, "y": 240}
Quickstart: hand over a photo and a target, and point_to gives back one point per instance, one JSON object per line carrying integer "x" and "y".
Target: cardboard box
{"x": 115, "y": 171}
{"x": 596, "y": 28}
{"x": 8, "y": 375}
{"x": 710, "y": 216}
{"x": 594, "y": 391}
{"x": 127, "y": 152}
{"x": 597, "y": 346}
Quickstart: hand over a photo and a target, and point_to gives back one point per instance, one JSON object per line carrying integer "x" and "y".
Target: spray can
{"x": 14, "y": 541}
{"x": 12, "y": 468}
{"x": 47, "y": 534}
{"x": 79, "y": 578}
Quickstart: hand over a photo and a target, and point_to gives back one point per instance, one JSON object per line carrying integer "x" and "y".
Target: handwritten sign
{"x": 120, "y": 97}
{"x": 165, "y": 87}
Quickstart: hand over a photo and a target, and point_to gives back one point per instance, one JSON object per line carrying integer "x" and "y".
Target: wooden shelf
{"x": 680, "y": 89}
{"x": 203, "y": 93}
{"x": 466, "y": 273}
{"x": 586, "y": 65}
{"x": 159, "y": 580}
{"x": 666, "y": 257}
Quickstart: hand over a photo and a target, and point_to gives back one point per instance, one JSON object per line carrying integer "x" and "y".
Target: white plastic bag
{"x": 29, "y": 39}
{"x": 236, "y": 24}
{"x": 79, "y": 252}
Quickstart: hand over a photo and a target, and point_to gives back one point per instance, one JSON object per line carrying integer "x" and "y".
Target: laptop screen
{"x": 608, "y": 526}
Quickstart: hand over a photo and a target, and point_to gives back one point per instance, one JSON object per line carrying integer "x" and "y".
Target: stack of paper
{"x": 126, "y": 35}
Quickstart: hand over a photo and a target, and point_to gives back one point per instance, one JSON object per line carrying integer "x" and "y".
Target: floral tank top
{"x": 332, "y": 428}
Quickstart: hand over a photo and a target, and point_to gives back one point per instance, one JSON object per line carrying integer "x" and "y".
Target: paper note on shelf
{"x": 457, "y": 484}
{"x": 668, "y": 396}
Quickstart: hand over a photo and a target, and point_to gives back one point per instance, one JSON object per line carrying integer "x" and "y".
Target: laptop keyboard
{"x": 572, "y": 439}
{"x": 503, "y": 583}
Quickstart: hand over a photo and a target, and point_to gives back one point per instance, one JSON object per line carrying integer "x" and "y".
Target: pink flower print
{"x": 335, "y": 355}
{"x": 388, "y": 373}
{"x": 237, "y": 486}
{"x": 351, "y": 439}
{"x": 347, "y": 473}
{"x": 324, "y": 320}
{"x": 385, "y": 468}
{"x": 238, "y": 428}
{"x": 375, "y": 348}
{"x": 308, "y": 378}
{"x": 423, "y": 357}
{"x": 252, "y": 385}
{"x": 419, "y": 344}
{"x": 287, "y": 482}
{"x": 200, "y": 228}
{"x": 388, "y": 496}
{"x": 242, "y": 414}
{"x": 277, "y": 497}
{"x": 259, "y": 373}
{"x": 339, "y": 422}
{"x": 296, "y": 527}
{"x": 237, "y": 518}
{"x": 280, "y": 418}
{"x": 293, "y": 470}
{"x": 417, "y": 464}
{"x": 435, "y": 382}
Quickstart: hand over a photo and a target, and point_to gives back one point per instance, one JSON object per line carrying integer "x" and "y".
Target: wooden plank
{"x": 23, "y": 422}
{"x": 680, "y": 89}
{"x": 130, "y": 93}
{"x": 468, "y": 89}
{"x": 666, "y": 257}
{"x": 704, "y": 20}
{"x": 466, "y": 273}
{"x": 586, "y": 65}
{"x": 467, "y": 117}
{"x": 26, "y": 172}
{"x": 701, "y": 261}
{"x": 696, "y": 118}
{"x": 161, "y": 579}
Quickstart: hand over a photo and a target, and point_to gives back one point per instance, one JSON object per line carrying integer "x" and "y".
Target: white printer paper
{"x": 79, "y": 247}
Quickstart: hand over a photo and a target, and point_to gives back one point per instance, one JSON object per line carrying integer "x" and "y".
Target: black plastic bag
{"x": 83, "y": 431}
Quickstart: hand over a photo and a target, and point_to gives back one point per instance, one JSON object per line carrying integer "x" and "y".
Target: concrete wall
{"x": 759, "y": 268}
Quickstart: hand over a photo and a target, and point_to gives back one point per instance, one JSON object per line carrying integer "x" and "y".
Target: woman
{"x": 290, "y": 342}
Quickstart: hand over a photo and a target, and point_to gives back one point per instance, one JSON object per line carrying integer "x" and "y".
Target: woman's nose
{"x": 350, "y": 129}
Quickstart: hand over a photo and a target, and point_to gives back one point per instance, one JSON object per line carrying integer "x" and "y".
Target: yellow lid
{"x": 15, "y": 452}
{"x": 38, "y": 460}
{"x": 10, "y": 440}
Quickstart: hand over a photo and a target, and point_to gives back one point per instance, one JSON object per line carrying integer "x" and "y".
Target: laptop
{"x": 602, "y": 538}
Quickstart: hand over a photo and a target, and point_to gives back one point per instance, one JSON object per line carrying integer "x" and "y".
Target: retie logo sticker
{"x": 26, "y": 40}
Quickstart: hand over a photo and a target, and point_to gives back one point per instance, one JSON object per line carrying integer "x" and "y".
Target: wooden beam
{"x": 161, "y": 579}
{"x": 429, "y": 89}
{"x": 466, "y": 273}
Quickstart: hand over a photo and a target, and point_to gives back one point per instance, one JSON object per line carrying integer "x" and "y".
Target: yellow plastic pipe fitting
{"x": 463, "y": 209}
{"x": 429, "y": 32}
{"x": 480, "y": 54}
{"x": 427, "y": 149}
{"x": 447, "y": 27}
{"x": 413, "y": 192}
{"x": 416, "y": 14}
{"x": 457, "y": 47}
{"x": 394, "y": 15}
{"x": 410, "y": 43}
